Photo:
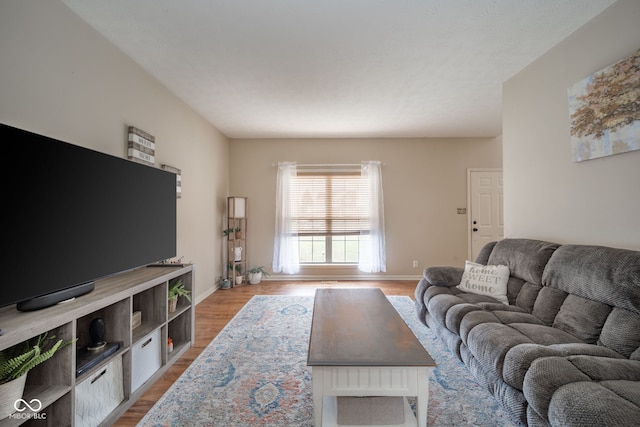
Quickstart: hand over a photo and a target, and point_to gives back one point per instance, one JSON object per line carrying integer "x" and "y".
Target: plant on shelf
{"x": 227, "y": 232}
{"x": 177, "y": 289}
{"x": 17, "y": 361}
{"x": 238, "y": 232}
{"x": 238, "y": 269}
{"x": 256, "y": 274}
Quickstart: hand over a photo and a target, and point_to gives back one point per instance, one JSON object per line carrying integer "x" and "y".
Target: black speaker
{"x": 96, "y": 332}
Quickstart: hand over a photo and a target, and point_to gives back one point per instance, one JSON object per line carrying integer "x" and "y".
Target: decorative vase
{"x": 226, "y": 284}
{"x": 237, "y": 253}
{"x": 173, "y": 303}
{"x": 255, "y": 278}
{"x": 10, "y": 392}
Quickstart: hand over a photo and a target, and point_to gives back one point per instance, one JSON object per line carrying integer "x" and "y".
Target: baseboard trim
{"x": 347, "y": 277}
{"x": 206, "y": 293}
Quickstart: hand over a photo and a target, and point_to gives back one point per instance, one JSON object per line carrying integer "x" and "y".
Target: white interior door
{"x": 486, "y": 218}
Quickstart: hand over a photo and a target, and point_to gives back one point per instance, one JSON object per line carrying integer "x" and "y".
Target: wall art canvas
{"x": 605, "y": 111}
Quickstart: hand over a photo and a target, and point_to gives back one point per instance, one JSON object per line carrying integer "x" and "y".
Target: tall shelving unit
{"x": 237, "y": 240}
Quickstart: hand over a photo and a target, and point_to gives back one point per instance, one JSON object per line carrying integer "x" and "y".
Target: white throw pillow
{"x": 488, "y": 280}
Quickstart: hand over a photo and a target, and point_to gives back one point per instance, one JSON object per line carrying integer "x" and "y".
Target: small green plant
{"x": 260, "y": 269}
{"x": 176, "y": 289}
{"x": 231, "y": 266}
{"x": 21, "y": 358}
{"x": 227, "y": 231}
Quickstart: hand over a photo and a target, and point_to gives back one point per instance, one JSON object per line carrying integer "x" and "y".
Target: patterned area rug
{"x": 254, "y": 373}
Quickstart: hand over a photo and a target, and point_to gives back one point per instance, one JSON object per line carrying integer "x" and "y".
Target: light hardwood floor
{"x": 213, "y": 314}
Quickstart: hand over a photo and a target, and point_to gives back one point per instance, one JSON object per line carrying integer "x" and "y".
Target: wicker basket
{"x": 173, "y": 303}
{"x": 9, "y": 393}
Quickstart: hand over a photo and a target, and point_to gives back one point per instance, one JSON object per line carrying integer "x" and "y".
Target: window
{"x": 329, "y": 216}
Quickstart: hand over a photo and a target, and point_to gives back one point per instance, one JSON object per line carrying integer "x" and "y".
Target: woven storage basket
{"x": 173, "y": 303}
{"x": 9, "y": 393}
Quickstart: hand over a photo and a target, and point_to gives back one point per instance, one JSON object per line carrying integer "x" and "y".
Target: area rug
{"x": 254, "y": 373}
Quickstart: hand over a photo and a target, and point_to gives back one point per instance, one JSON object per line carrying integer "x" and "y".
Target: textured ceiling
{"x": 339, "y": 68}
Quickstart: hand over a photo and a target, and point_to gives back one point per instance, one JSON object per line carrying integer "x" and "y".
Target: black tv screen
{"x": 73, "y": 215}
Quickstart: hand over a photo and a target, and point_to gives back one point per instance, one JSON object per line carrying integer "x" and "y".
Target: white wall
{"x": 62, "y": 79}
{"x": 547, "y": 196}
{"x": 424, "y": 180}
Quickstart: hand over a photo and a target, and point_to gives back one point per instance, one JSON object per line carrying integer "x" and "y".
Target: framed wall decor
{"x": 605, "y": 111}
{"x": 178, "y": 173}
{"x": 141, "y": 147}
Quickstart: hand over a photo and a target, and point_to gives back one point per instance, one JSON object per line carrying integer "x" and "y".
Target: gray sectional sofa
{"x": 565, "y": 351}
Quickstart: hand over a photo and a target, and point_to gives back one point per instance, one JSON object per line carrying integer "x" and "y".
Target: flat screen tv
{"x": 73, "y": 215}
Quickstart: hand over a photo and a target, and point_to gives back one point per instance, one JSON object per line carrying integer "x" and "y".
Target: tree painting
{"x": 605, "y": 111}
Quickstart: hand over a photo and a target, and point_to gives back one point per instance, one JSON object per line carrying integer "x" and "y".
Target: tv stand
{"x": 114, "y": 299}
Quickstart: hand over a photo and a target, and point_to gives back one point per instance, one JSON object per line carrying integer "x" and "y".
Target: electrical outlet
{"x": 415, "y": 263}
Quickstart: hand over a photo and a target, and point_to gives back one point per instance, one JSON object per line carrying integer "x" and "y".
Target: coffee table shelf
{"x": 330, "y": 415}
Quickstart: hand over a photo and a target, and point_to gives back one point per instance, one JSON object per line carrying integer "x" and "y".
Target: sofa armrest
{"x": 570, "y": 390}
{"x": 443, "y": 276}
{"x": 435, "y": 276}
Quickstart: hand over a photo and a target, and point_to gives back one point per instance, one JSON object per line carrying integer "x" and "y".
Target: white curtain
{"x": 285, "y": 248}
{"x": 373, "y": 258}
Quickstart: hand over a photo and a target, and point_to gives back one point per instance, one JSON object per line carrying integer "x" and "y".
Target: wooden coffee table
{"x": 360, "y": 346}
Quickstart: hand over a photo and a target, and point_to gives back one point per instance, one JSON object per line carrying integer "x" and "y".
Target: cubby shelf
{"x": 114, "y": 300}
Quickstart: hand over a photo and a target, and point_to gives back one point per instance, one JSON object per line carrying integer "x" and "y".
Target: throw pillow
{"x": 488, "y": 280}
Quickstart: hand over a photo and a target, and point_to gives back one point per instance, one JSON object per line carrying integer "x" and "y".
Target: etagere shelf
{"x": 237, "y": 240}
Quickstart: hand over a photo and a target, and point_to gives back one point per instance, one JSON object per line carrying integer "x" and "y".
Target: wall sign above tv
{"x": 141, "y": 147}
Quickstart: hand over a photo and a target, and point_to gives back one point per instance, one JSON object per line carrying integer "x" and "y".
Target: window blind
{"x": 329, "y": 203}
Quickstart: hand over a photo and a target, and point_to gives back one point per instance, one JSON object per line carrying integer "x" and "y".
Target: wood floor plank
{"x": 215, "y": 312}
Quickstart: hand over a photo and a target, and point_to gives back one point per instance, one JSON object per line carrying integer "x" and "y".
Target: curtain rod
{"x": 316, "y": 165}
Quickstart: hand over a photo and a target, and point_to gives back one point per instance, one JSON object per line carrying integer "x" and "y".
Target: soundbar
{"x": 55, "y": 297}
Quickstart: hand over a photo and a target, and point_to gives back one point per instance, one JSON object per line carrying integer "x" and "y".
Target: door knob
{"x": 475, "y": 229}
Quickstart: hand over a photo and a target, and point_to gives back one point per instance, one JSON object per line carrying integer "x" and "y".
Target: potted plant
{"x": 256, "y": 274}
{"x": 176, "y": 289}
{"x": 238, "y": 232}
{"x": 227, "y": 232}
{"x": 17, "y": 361}
{"x": 238, "y": 268}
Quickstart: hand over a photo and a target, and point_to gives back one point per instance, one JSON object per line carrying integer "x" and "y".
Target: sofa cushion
{"x": 456, "y": 313}
{"x": 525, "y": 258}
{"x": 548, "y": 304}
{"x": 589, "y": 404}
{"x": 485, "y": 253}
{"x": 544, "y": 335}
{"x": 582, "y": 318}
{"x": 620, "y": 332}
{"x": 527, "y": 295}
{"x": 514, "y": 286}
{"x": 605, "y": 368}
{"x": 586, "y": 377}
{"x": 607, "y": 275}
{"x": 519, "y": 358}
{"x": 490, "y": 280}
